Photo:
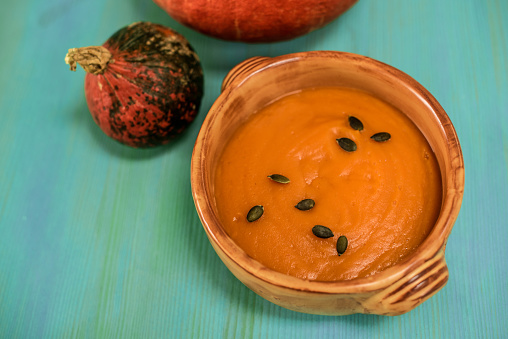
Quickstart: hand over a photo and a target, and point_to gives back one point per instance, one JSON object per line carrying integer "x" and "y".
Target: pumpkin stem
{"x": 93, "y": 59}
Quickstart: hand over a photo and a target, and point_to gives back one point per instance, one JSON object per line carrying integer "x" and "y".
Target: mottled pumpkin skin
{"x": 150, "y": 91}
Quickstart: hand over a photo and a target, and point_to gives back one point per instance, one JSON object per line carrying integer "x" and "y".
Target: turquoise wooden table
{"x": 98, "y": 240}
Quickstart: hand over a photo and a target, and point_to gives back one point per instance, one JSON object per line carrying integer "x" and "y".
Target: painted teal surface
{"x": 98, "y": 240}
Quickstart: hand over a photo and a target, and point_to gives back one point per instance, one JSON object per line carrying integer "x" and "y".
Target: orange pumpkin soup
{"x": 380, "y": 198}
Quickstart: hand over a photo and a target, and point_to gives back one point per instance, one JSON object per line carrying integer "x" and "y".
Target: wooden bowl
{"x": 258, "y": 81}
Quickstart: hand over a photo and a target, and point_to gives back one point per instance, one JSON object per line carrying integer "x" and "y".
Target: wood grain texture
{"x": 101, "y": 241}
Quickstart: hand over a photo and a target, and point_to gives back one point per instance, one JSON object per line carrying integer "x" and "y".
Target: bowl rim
{"x": 434, "y": 242}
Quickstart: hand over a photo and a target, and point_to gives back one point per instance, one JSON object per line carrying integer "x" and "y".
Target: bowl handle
{"x": 412, "y": 289}
{"x": 240, "y": 71}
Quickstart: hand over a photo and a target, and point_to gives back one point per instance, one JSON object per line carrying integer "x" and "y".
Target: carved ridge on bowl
{"x": 241, "y": 70}
{"x": 413, "y": 289}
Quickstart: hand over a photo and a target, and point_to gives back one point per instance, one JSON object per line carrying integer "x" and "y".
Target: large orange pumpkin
{"x": 255, "y": 20}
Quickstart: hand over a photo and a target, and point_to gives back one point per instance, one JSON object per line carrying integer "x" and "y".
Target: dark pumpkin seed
{"x": 279, "y": 178}
{"x": 305, "y": 204}
{"x": 355, "y": 123}
{"x": 380, "y": 137}
{"x": 341, "y": 244}
{"x": 255, "y": 213}
{"x": 346, "y": 144}
{"x": 322, "y": 231}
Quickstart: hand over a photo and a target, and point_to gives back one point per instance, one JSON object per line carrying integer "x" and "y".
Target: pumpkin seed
{"x": 347, "y": 145}
{"x": 305, "y": 204}
{"x": 341, "y": 244}
{"x": 380, "y": 137}
{"x": 322, "y": 231}
{"x": 255, "y": 213}
{"x": 279, "y": 178}
{"x": 355, "y": 123}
